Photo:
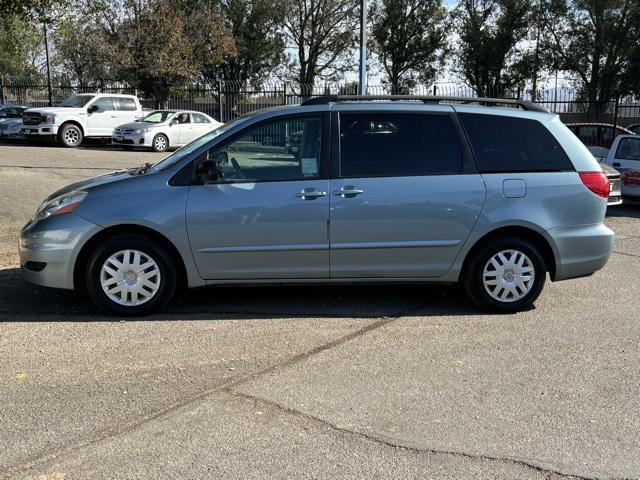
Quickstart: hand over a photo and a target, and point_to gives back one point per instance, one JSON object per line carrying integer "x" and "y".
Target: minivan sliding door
{"x": 404, "y": 194}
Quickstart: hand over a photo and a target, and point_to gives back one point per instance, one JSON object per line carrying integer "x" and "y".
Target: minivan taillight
{"x": 597, "y": 182}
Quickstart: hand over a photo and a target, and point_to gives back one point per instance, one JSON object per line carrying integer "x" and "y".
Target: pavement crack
{"x": 625, "y": 253}
{"x": 395, "y": 443}
{"x": 127, "y": 427}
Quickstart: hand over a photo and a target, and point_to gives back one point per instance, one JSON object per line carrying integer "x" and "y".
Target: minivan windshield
{"x": 158, "y": 116}
{"x": 77, "y": 101}
{"x": 173, "y": 159}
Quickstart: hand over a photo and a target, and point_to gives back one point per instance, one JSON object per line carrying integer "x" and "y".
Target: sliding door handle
{"x": 348, "y": 191}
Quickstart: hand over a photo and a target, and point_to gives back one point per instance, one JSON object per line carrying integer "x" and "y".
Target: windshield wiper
{"x": 142, "y": 169}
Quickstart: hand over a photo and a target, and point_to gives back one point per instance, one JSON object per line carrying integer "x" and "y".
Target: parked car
{"x": 492, "y": 197}
{"x": 615, "y": 193}
{"x": 163, "y": 129}
{"x": 625, "y": 157}
{"x": 88, "y": 115}
{"x": 597, "y": 134}
{"x": 11, "y": 128}
{"x": 635, "y": 128}
{"x": 10, "y": 112}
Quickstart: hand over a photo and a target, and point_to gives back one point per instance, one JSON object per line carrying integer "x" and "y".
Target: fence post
{"x": 284, "y": 94}
{"x": 220, "y": 102}
{"x": 615, "y": 113}
{"x": 435, "y": 90}
{"x": 1, "y": 92}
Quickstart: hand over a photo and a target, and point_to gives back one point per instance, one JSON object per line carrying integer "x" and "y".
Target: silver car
{"x": 381, "y": 189}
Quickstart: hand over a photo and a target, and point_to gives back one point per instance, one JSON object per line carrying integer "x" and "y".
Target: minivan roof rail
{"x": 524, "y": 104}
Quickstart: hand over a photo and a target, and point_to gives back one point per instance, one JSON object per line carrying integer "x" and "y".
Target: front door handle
{"x": 310, "y": 194}
{"x": 348, "y": 191}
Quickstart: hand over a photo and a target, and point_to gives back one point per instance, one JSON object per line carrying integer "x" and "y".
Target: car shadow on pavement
{"x": 629, "y": 209}
{"x": 21, "y": 301}
{"x": 88, "y": 144}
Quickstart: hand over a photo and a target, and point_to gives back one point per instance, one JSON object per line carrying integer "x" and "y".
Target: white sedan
{"x": 163, "y": 129}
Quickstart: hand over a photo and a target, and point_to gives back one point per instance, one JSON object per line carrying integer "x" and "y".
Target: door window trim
{"x": 468, "y": 161}
{"x": 324, "y": 148}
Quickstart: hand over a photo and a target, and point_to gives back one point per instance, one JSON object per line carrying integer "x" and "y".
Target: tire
{"x": 137, "y": 295}
{"x": 160, "y": 143}
{"x": 521, "y": 290}
{"x": 70, "y": 135}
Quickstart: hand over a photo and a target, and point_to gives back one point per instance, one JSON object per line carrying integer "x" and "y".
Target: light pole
{"x": 46, "y": 50}
{"x": 362, "y": 85}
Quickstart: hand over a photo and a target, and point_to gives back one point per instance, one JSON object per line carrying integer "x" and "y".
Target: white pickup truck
{"x": 85, "y": 115}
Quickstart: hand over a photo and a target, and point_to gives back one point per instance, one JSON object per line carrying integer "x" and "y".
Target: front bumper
{"x": 39, "y": 130}
{"x": 581, "y": 250}
{"x": 132, "y": 140}
{"x": 49, "y": 249}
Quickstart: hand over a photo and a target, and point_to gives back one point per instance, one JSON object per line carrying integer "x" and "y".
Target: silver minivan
{"x": 491, "y": 193}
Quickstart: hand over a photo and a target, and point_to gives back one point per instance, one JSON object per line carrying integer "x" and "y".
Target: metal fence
{"x": 225, "y": 101}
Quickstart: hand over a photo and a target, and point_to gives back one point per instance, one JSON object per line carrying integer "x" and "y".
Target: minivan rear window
{"x": 384, "y": 144}
{"x": 509, "y": 144}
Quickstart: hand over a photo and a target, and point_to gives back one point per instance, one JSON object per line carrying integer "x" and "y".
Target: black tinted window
{"x": 398, "y": 144}
{"x": 127, "y": 104}
{"x": 508, "y": 144}
{"x": 103, "y": 104}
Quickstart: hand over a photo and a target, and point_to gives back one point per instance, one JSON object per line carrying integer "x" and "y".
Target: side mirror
{"x": 173, "y": 122}
{"x": 221, "y": 157}
{"x": 207, "y": 172}
{"x": 93, "y": 108}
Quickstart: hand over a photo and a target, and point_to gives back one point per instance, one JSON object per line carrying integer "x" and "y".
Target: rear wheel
{"x": 130, "y": 275}
{"x": 70, "y": 135}
{"x": 505, "y": 275}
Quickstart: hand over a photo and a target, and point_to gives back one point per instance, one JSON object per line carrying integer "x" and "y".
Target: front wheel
{"x": 130, "y": 275}
{"x": 70, "y": 135}
{"x": 160, "y": 143}
{"x": 506, "y": 275}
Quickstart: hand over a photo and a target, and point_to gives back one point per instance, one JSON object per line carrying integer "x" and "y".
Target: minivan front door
{"x": 266, "y": 215}
{"x": 404, "y": 196}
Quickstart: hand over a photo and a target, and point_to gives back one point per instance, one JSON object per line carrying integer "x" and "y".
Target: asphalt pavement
{"x": 316, "y": 381}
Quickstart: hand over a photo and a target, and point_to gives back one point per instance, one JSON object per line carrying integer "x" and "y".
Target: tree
{"x": 408, "y": 36}
{"x": 84, "y": 51}
{"x": 20, "y": 47}
{"x": 259, "y": 44}
{"x": 595, "y": 41}
{"x": 322, "y": 33}
{"x": 490, "y": 31}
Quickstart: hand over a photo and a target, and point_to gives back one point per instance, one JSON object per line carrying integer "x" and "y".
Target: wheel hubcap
{"x": 130, "y": 277}
{"x": 508, "y": 276}
{"x": 71, "y": 136}
{"x": 160, "y": 143}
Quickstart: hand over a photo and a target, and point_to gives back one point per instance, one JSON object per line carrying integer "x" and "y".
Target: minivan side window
{"x": 508, "y": 144}
{"x": 380, "y": 144}
{"x": 279, "y": 150}
{"x": 628, "y": 149}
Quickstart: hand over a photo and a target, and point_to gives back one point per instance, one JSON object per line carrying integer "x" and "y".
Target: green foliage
{"x": 259, "y": 45}
{"x": 596, "y": 41}
{"x": 323, "y": 35}
{"x": 490, "y": 33}
{"x": 409, "y": 39}
{"x": 21, "y": 45}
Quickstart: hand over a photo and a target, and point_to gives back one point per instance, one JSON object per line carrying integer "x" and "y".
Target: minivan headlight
{"x": 65, "y": 203}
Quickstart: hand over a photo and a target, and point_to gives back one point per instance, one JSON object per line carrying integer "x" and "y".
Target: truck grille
{"x": 31, "y": 119}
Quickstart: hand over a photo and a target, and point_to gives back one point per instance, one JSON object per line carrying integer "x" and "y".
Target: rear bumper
{"x": 581, "y": 250}
{"x": 49, "y": 249}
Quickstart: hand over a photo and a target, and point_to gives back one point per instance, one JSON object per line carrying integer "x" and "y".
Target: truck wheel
{"x": 505, "y": 275}
{"x": 160, "y": 143}
{"x": 130, "y": 275}
{"x": 70, "y": 135}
